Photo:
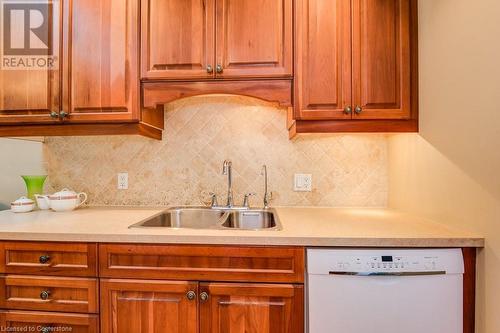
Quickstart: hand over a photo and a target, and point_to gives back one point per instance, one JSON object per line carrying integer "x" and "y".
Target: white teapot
{"x": 64, "y": 201}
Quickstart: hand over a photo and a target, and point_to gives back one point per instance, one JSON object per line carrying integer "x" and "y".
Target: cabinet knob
{"x": 44, "y": 259}
{"x": 348, "y": 109}
{"x": 210, "y": 69}
{"x": 63, "y": 114}
{"x": 191, "y": 295}
{"x": 219, "y": 68}
{"x": 358, "y": 109}
{"x": 204, "y": 296}
{"x": 54, "y": 115}
{"x": 44, "y": 295}
{"x": 45, "y": 329}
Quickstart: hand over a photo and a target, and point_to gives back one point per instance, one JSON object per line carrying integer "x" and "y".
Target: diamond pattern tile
{"x": 200, "y": 132}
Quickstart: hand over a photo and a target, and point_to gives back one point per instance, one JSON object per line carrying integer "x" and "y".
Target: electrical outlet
{"x": 123, "y": 181}
{"x": 302, "y": 183}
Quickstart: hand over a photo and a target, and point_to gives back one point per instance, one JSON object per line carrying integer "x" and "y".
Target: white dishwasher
{"x": 385, "y": 290}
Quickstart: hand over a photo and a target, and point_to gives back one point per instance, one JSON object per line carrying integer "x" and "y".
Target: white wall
{"x": 450, "y": 172}
{"x": 17, "y": 157}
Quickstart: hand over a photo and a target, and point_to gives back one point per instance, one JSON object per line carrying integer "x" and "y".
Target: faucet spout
{"x": 227, "y": 169}
{"x": 266, "y": 194}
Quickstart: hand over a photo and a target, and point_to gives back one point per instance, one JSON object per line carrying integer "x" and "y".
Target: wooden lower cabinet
{"x": 212, "y": 289}
{"x": 251, "y": 308}
{"x": 24, "y": 321}
{"x": 156, "y": 306}
{"x": 179, "y": 288}
{"x": 147, "y": 306}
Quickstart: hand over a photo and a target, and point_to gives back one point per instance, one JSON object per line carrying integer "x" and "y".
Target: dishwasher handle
{"x": 423, "y": 273}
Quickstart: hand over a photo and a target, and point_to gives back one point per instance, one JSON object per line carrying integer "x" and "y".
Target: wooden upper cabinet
{"x": 323, "y": 71}
{"x": 178, "y": 39}
{"x": 101, "y": 58}
{"x": 144, "y": 306}
{"x": 28, "y": 94}
{"x": 381, "y": 59}
{"x": 251, "y": 308}
{"x": 254, "y": 38}
{"x": 197, "y": 39}
{"x": 355, "y": 60}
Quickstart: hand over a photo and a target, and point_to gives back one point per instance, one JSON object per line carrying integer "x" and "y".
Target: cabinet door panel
{"x": 254, "y": 38}
{"x": 177, "y": 39}
{"x": 144, "y": 306}
{"x": 101, "y": 60}
{"x": 381, "y": 56}
{"x": 30, "y": 95}
{"x": 323, "y": 69}
{"x": 252, "y": 308}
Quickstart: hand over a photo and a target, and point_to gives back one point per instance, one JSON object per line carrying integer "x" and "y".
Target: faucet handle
{"x": 214, "y": 202}
{"x": 246, "y": 201}
{"x": 268, "y": 198}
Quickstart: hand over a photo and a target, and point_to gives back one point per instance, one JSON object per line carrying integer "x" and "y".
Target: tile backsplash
{"x": 200, "y": 132}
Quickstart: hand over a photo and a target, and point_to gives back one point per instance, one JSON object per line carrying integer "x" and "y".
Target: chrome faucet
{"x": 227, "y": 169}
{"x": 266, "y": 194}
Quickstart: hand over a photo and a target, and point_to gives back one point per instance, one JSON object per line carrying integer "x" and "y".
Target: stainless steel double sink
{"x": 210, "y": 218}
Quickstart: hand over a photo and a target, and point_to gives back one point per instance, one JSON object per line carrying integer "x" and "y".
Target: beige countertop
{"x": 360, "y": 227}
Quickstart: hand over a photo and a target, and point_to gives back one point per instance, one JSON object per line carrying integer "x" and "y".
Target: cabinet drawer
{"x": 49, "y": 293}
{"x": 24, "y": 321}
{"x": 214, "y": 263}
{"x": 38, "y": 258}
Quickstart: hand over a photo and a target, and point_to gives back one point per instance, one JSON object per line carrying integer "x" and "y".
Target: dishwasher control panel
{"x": 323, "y": 261}
{"x": 388, "y": 263}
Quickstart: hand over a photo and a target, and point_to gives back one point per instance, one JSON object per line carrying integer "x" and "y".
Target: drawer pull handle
{"x": 191, "y": 295}
{"x": 44, "y": 295}
{"x": 204, "y": 296}
{"x": 44, "y": 259}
